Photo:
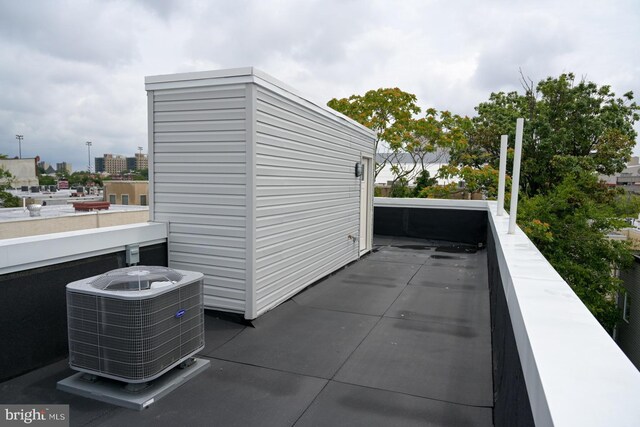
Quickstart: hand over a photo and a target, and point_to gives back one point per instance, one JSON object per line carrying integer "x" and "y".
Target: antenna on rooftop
{"x": 89, "y": 143}
{"x": 19, "y": 138}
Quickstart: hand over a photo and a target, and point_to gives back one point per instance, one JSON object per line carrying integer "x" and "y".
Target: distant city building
{"x": 629, "y": 178}
{"x": 126, "y": 192}
{"x": 63, "y": 167}
{"x": 23, "y": 171}
{"x": 142, "y": 162}
{"x": 99, "y": 164}
{"x": 48, "y": 169}
{"x": 138, "y": 162}
{"x": 114, "y": 163}
{"x": 131, "y": 163}
{"x": 404, "y": 161}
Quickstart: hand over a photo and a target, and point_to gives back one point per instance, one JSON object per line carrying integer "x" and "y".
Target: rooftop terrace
{"x": 479, "y": 330}
{"x": 401, "y": 337}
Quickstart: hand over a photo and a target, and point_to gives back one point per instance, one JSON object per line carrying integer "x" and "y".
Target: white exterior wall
{"x": 23, "y": 170}
{"x": 256, "y": 182}
{"x": 387, "y": 175}
{"x": 197, "y": 166}
{"x": 307, "y": 194}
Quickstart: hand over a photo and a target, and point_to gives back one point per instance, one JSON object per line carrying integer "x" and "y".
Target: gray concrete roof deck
{"x": 401, "y": 337}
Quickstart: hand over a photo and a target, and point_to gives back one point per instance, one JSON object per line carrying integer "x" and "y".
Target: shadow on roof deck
{"x": 401, "y": 337}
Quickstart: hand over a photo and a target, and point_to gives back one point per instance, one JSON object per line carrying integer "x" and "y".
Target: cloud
{"x": 90, "y": 32}
{"x": 74, "y": 71}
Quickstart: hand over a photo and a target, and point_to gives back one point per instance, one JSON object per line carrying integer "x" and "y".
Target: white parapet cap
{"x": 575, "y": 374}
{"x": 24, "y": 253}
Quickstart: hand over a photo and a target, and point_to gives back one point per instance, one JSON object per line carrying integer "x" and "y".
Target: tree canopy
{"x": 574, "y": 130}
{"x": 400, "y": 133}
{"x": 7, "y": 200}
{"x": 568, "y": 125}
{"x": 569, "y": 225}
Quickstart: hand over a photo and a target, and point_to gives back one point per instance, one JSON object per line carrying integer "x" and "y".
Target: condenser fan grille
{"x": 135, "y": 278}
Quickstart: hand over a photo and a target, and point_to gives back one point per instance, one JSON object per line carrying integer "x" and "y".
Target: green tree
{"x": 626, "y": 204}
{"x": 438, "y": 191}
{"x": 84, "y": 179}
{"x": 141, "y": 175}
{"x": 46, "y": 180}
{"x": 573, "y": 132}
{"x": 423, "y": 180}
{"x": 388, "y": 112}
{"x": 7, "y": 200}
{"x": 403, "y": 140}
{"x": 400, "y": 189}
{"x": 568, "y": 125}
{"x": 569, "y": 225}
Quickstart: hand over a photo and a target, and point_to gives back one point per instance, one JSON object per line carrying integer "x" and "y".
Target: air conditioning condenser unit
{"x": 134, "y": 324}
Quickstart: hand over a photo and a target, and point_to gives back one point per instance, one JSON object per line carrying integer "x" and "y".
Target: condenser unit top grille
{"x": 136, "y": 278}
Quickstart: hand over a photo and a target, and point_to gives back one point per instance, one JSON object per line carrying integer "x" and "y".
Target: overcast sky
{"x": 73, "y": 71}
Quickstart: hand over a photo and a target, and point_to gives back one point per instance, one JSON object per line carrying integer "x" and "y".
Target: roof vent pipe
{"x": 515, "y": 183}
{"x": 504, "y": 140}
{"x": 34, "y": 209}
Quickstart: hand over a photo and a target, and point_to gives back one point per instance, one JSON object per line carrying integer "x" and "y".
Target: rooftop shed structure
{"x": 263, "y": 190}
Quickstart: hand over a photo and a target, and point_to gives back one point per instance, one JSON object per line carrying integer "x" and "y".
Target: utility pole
{"x": 89, "y": 149}
{"x": 20, "y": 138}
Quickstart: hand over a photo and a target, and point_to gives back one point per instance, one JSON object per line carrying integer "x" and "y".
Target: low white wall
{"x": 24, "y": 253}
{"x": 80, "y": 221}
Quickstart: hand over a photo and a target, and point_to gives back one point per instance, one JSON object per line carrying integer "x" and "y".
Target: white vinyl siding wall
{"x": 199, "y": 179}
{"x": 257, "y": 184}
{"x": 307, "y": 195}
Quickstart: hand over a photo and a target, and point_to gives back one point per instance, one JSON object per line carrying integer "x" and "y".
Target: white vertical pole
{"x": 502, "y": 173}
{"x": 515, "y": 181}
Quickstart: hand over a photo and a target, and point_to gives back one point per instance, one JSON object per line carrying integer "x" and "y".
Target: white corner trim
{"x": 25, "y": 253}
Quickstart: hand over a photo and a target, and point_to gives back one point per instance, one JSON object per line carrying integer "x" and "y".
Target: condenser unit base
{"x": 116, "y": 393}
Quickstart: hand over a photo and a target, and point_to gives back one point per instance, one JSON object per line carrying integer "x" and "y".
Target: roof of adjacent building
{"x": 21, "y": 214}
{"x": 439, "y": 156}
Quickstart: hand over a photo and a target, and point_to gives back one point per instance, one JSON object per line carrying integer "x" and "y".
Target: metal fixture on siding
{"x": 132, "y": 254}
